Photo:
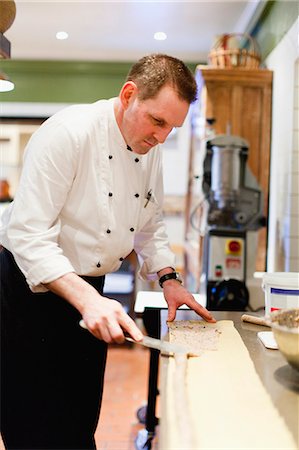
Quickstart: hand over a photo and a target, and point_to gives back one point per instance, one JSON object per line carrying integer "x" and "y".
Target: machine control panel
{"x": 226, "y": 258}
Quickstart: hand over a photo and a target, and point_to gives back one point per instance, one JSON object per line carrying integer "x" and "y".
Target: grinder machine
{"x": 234, "y": 214}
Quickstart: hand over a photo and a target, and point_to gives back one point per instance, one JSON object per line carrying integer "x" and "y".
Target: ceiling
{"x": 123, "y": 31}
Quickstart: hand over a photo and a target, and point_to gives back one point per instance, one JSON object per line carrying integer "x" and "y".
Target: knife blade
{"x": 165, "y": 347}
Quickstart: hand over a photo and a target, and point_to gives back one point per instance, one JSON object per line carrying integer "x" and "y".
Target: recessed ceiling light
{"x": 160, "y": 36}
{"x": 61, "y": 35}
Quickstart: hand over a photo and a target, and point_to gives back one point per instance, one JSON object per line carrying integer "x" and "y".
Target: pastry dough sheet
{"x": 217, "y": 401}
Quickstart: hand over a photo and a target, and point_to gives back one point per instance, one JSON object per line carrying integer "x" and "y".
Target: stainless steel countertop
{"x": 278, "y": 377}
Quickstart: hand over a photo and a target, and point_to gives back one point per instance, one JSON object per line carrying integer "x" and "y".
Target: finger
{"x": 116, "y": 333}
{"x": 99, "y": 331}
{"x": 201, "y": 310}
{"x": 105, "y": 335}
{"x": 129, "y": 325}
{"x": 171, "y": 312}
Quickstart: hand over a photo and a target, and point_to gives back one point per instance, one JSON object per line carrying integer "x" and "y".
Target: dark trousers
{"x": 52, "y": 370}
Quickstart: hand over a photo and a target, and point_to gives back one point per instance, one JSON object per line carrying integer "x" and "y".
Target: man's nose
{"x": 161, "y": 135}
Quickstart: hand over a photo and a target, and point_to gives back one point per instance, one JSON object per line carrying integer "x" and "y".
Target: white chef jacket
{"x": 80, "y": 205}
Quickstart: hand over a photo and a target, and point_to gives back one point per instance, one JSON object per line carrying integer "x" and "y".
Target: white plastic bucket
{"x": 281, "y": 290}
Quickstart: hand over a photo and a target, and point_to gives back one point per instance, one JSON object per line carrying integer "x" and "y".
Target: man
{"x": 90, "y": 192}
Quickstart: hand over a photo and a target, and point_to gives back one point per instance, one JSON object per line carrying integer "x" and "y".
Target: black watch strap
{"x": 170, "y": 276}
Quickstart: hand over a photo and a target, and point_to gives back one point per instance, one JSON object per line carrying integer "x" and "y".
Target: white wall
{"x": 291, "y": 229}
{"x": 283, "y": 242}
{"x": 175, "y": 160}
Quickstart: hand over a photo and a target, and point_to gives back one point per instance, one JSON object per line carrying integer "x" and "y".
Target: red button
{"x": 234, "y": 246}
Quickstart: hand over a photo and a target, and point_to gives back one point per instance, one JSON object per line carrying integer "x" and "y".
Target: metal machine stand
{"x": 152, "y": 308}
{"x": 152, "y": 323}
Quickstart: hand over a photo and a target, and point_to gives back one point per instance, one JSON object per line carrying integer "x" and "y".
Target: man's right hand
{"x": 105, "y": 318}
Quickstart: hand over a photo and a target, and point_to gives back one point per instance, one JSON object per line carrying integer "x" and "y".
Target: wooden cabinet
{"x": 239, "y": 101}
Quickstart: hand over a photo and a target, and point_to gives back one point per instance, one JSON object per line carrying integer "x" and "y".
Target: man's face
{"x": 147, "y": 123}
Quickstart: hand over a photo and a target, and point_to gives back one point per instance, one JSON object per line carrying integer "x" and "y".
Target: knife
{"x": 164, "y": 347}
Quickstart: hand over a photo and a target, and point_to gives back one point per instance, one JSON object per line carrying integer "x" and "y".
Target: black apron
{"x": 52, "y": 370}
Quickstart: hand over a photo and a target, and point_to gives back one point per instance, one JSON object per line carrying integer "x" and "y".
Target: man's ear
{"x": 128, "y": 91}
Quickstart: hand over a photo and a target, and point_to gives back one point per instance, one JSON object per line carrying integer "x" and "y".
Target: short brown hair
{"x": 152, "y": 72}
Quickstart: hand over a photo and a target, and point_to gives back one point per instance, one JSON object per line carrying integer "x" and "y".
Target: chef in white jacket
{"x": 91, "y": 191}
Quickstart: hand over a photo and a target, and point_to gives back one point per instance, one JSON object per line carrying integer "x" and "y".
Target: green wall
{"x": 274, "y": 22}
{"x": 64, "y": 81}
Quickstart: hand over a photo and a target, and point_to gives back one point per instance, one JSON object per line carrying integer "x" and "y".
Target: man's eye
{"x": 158, "y": 122}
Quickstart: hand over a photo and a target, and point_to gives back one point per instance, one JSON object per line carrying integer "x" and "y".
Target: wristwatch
{"x": 170, "y": 276}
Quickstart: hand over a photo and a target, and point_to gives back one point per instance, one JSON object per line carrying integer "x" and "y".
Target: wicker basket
{"x": 235, "y": 51}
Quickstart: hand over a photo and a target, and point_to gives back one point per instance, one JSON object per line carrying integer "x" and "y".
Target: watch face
{"x": 178, "y": 277}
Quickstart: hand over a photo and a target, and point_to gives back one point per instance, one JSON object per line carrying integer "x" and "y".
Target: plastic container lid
{"x": 286, "y": 279}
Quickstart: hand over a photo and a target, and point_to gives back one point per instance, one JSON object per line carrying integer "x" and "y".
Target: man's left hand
{"x": 177, "y": 295}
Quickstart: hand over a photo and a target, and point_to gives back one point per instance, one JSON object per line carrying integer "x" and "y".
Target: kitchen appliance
{"x": 234, "y": 214}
